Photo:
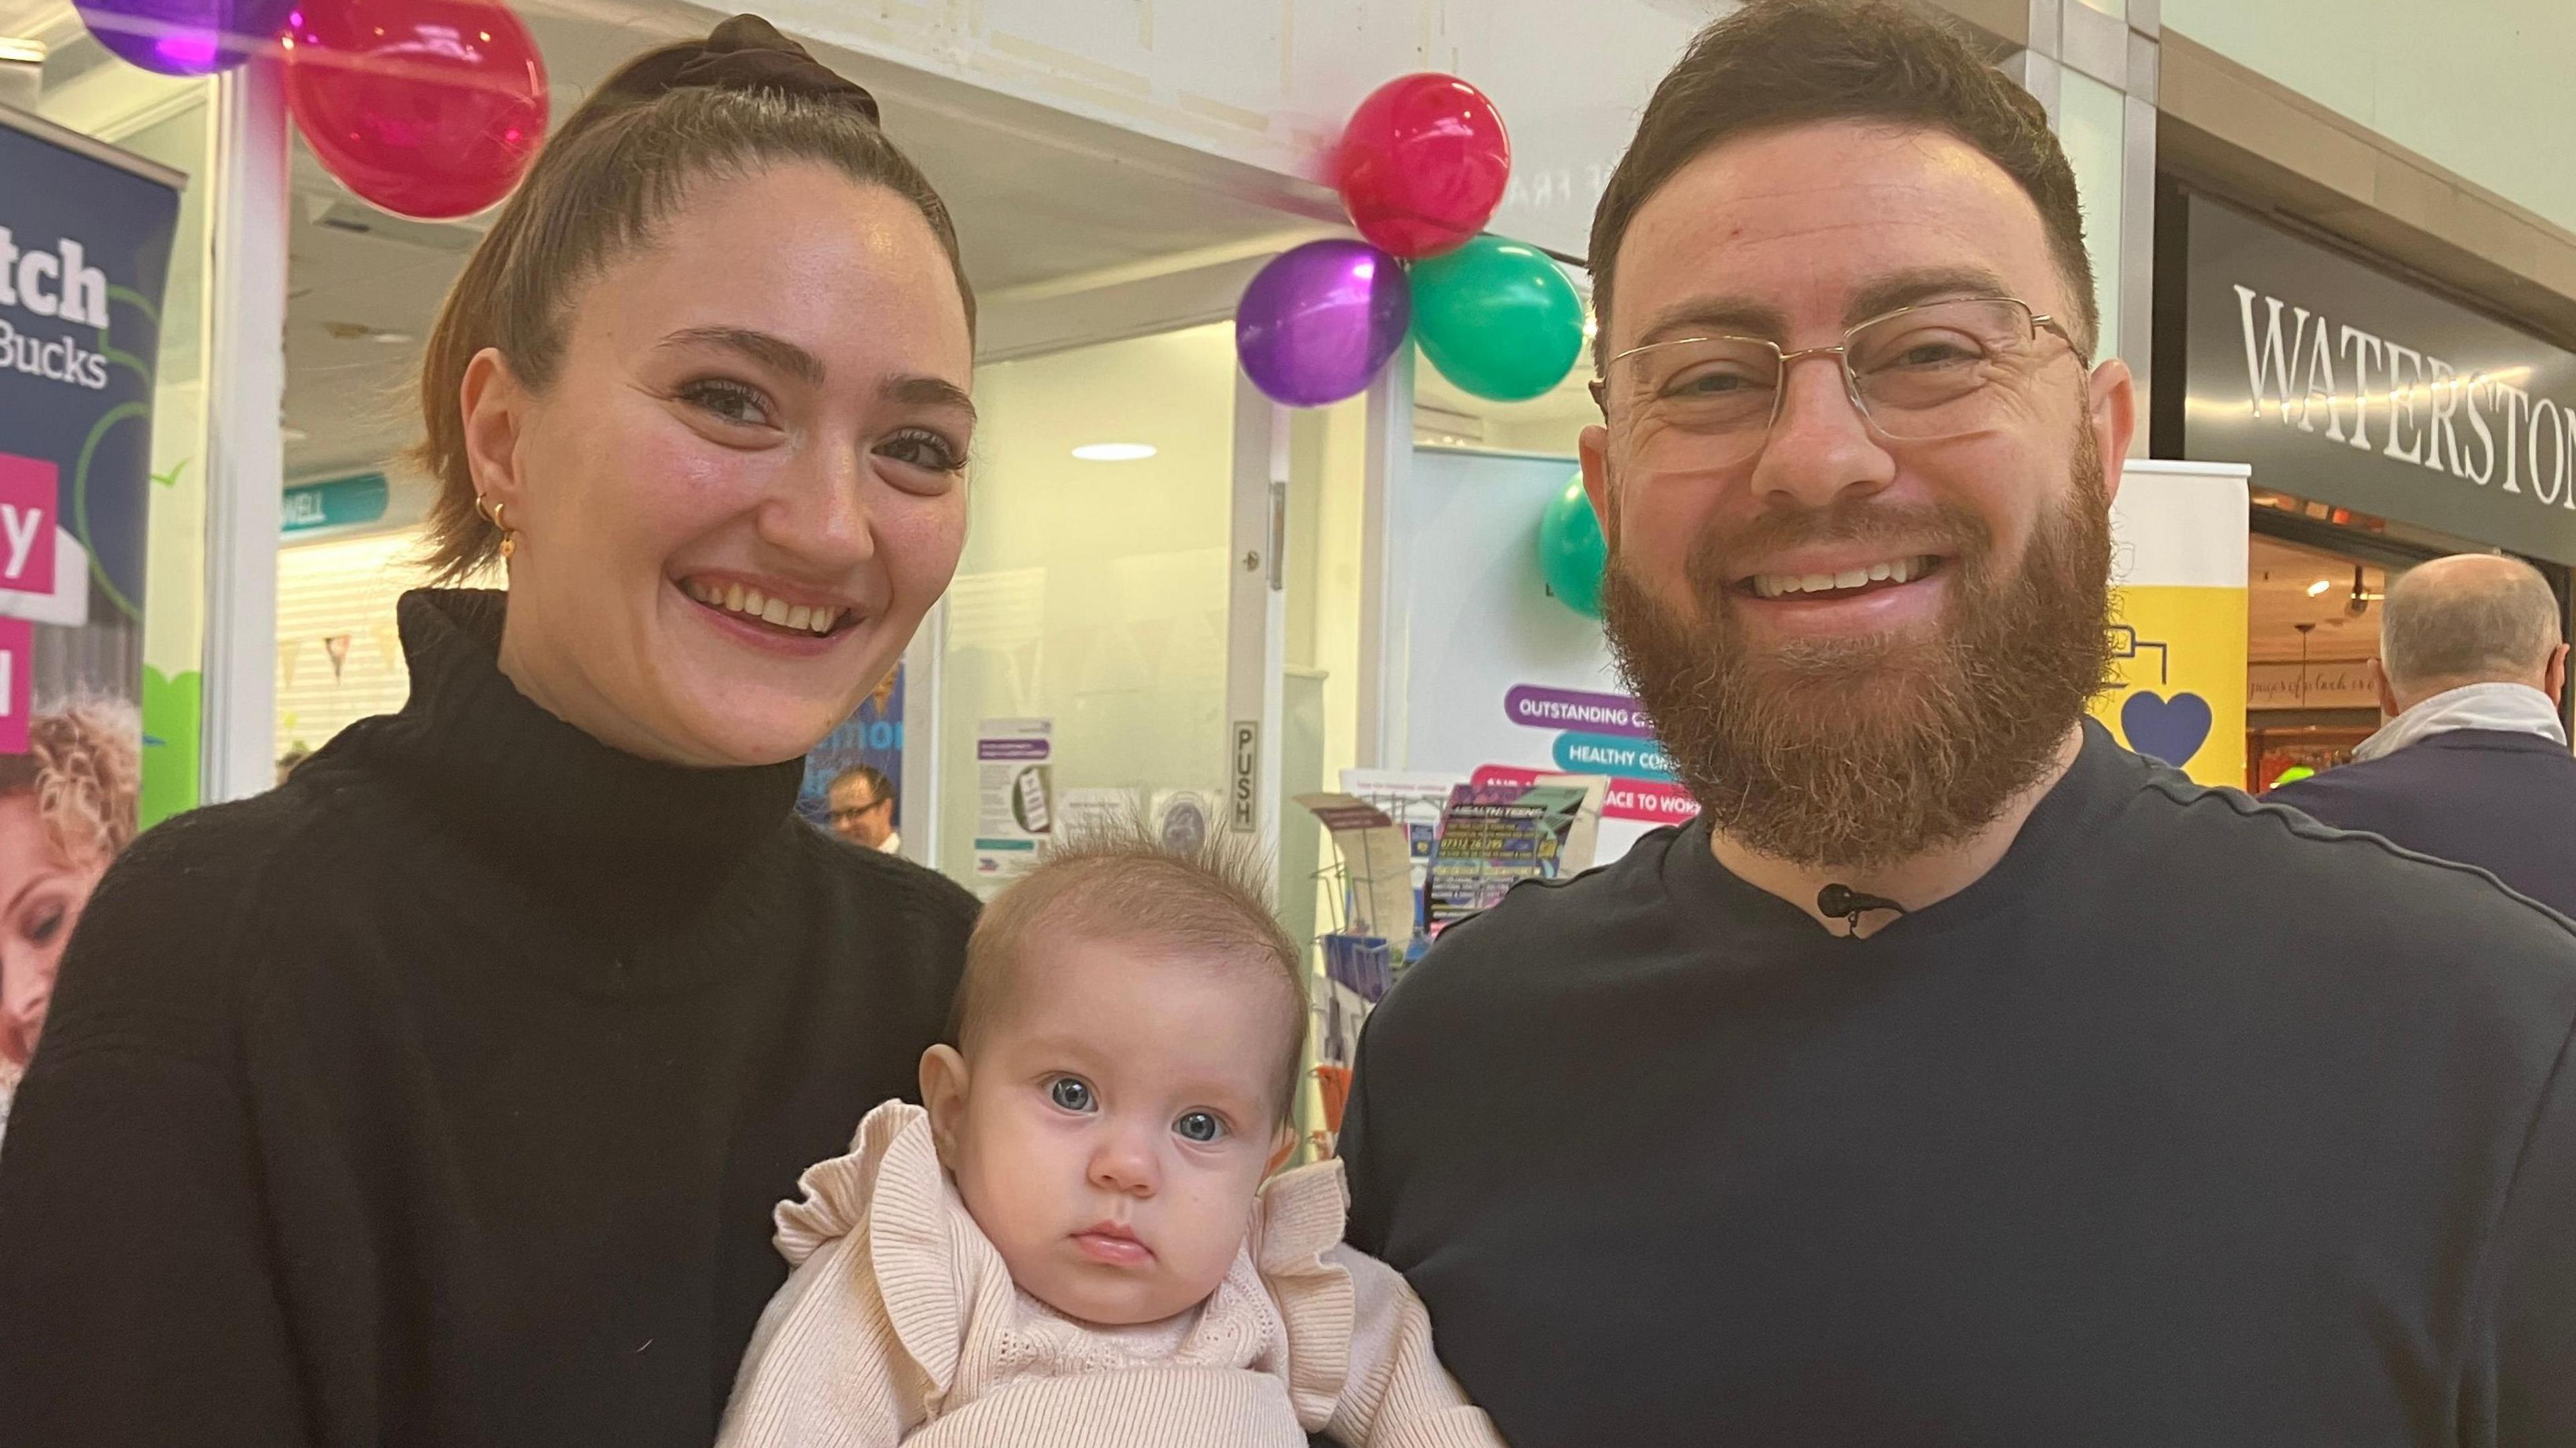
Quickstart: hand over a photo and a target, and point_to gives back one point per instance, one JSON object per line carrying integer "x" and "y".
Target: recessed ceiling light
{"x": 2319, "y": 587}
{"x": 294, "y": 434}
{"x": 1114, "y": 452}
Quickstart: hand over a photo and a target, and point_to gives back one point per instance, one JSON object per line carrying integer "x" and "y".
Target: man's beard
{"x": 1853, "y": 754}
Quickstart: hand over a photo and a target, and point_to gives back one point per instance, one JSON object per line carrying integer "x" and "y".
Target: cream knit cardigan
{"x": 901, "y": 1325}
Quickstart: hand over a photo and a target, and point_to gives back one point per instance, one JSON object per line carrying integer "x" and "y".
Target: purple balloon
{"x": 185, "y": 37}
{"x": 1319, "y": 321}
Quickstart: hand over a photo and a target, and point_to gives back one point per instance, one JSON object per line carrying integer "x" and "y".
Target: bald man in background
{"x": 2473, "y": 765}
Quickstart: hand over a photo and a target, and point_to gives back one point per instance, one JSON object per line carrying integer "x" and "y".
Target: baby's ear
{"x": 943, "y": 1092}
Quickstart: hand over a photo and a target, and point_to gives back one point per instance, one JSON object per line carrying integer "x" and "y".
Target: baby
{"x": 1073, "y": 1244}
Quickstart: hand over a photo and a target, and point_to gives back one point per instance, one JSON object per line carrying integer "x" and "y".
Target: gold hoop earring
{"x": 492, "y": 513}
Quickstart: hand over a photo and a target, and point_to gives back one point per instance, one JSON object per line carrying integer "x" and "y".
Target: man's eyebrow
{"x": 926, "y": 391}
{"x": 1700, "y": 316}
{"x": 770, "y": 350}
{"x": 1744, "y": 316}
{"x": 1907, "y": 288}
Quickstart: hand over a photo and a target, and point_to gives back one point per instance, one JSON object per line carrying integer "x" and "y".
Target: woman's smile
{"x": 776, "y": 607}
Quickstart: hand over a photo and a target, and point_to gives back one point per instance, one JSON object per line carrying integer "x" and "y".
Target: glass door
{"x": 1089, "y": 625}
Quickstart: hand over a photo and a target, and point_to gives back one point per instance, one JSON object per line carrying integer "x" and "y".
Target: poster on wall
{"x": 1014, "y": 798}
{"x": 1503, "y": 685}
{"x": 871, "y": 739}
{"x": 2178, "y": 617}
{"x": 85, "y": 238}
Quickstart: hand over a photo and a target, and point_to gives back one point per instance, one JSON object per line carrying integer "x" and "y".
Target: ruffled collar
{"x": 1285, "y": 1307}
{"x": 583, "y": 823}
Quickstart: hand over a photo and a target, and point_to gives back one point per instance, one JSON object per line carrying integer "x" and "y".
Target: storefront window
{"x": 2313, "y": 619}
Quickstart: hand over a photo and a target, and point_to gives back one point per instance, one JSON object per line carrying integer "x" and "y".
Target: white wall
{"x": 2479, "y": 86}
{"x": 1268, "y": 83}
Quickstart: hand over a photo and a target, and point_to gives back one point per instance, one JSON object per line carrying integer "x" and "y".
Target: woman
{"x": 66, "y": 810}
{"x": 442, "y": 1095}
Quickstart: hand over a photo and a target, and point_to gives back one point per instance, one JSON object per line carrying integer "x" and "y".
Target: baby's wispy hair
{"x": 1117, "y": 880}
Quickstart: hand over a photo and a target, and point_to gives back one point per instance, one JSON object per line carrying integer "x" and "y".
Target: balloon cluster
{"x": 1421, "y": 168}
{"x": 427, "y": 108}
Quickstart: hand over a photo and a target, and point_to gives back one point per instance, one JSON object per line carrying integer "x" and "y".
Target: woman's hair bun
{"x": 745, "y": 53}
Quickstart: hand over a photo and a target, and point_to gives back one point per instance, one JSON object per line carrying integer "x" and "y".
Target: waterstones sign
{"x": 2340, "y": 383}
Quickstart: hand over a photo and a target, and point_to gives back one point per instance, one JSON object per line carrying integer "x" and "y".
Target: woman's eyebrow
{"x": 767, "y": 348}
{"x": 925, "y": 391}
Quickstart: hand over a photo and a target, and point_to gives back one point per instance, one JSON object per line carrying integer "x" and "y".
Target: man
{"x": 2473, "y": 765}
{"x": 862, "y": 808}
{"x": 1958, "y": 1077}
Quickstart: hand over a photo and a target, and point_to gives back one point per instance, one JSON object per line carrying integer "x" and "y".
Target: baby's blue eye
{"x": 1069, "y": 1093}
{"x": 1199, "y": 1126}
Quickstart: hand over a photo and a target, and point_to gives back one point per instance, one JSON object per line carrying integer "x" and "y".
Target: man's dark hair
{"x": 1778, "y": 63}
{"x": 878, "y": 785}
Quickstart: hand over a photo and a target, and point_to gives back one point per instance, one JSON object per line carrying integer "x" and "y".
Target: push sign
{"x": 1244, "y": 794}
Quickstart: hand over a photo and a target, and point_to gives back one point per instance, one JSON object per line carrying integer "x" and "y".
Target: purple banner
{"x": 1540, "y": 707}
{"x": 1011, "y": 748}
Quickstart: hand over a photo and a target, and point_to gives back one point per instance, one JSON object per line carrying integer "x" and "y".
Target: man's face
{"x": 1826, "y": 723}
{"x": 859, "y": 815}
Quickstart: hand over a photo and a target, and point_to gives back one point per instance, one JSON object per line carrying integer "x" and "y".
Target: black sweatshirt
{"x": 2193, "y": 1122}
{"x": 442, "y": 1096}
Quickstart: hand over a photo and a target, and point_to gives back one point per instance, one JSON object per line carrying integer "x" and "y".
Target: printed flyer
{"x": 1494, "y": 836}
{"x": 1014, "y": 798}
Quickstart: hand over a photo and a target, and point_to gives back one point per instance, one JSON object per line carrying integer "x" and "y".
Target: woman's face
{"x": 40, "y": 902}
{"x": 746, "y": 482}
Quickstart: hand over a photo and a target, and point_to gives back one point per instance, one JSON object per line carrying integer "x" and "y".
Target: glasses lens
{"x": 1941, "y": 370}
{"x": 1709, "y": 397}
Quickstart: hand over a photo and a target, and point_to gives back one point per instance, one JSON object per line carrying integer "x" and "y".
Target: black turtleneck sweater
{"x": 442, "y": 1096}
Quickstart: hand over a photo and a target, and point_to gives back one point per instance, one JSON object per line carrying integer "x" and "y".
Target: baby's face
{"x": 1114, "y": 1124}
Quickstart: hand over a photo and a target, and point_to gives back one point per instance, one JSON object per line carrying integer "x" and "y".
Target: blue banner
{"x": 85, "y": 238}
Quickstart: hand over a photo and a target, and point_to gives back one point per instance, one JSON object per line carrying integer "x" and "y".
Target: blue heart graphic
{"x": 2168, "y": 729}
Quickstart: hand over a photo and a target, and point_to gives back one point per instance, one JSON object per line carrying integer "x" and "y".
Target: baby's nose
{"x": 1123, "y": 1164}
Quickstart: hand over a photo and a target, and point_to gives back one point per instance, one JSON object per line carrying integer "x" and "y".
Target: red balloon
{"x": 428, "y": 108}
{"x": 1423, "y": 164}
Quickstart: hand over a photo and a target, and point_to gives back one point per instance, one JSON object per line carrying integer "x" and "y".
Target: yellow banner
{"x": 2179, "y": 657}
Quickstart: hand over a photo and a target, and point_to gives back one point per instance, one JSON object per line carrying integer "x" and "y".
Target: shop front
{"x": 2387, "y": 423}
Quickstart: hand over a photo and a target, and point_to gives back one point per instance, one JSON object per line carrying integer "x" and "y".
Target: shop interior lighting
{"x": 1114, "y": 452}
{"x": 2318, "y": 588}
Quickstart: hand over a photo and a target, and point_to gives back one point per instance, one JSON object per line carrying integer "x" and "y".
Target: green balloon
{"x": 1497, "y": 318}
{"x": 1571, "y": 551}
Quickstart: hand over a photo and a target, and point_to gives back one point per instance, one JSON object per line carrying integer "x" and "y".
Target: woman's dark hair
{"x": 744, "y": 99}
{"x": 1778, "y": 63}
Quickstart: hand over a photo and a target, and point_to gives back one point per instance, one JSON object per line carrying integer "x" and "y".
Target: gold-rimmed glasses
{"x": 1916, "y": 374}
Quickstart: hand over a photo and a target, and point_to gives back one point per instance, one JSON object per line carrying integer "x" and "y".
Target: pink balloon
{"x": 427, "y": 108}
{"x": 1422, "y": 164}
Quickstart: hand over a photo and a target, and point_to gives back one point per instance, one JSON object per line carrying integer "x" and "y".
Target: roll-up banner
{"x": 2178, "y": 617}
{"x": 85, "y": 238}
